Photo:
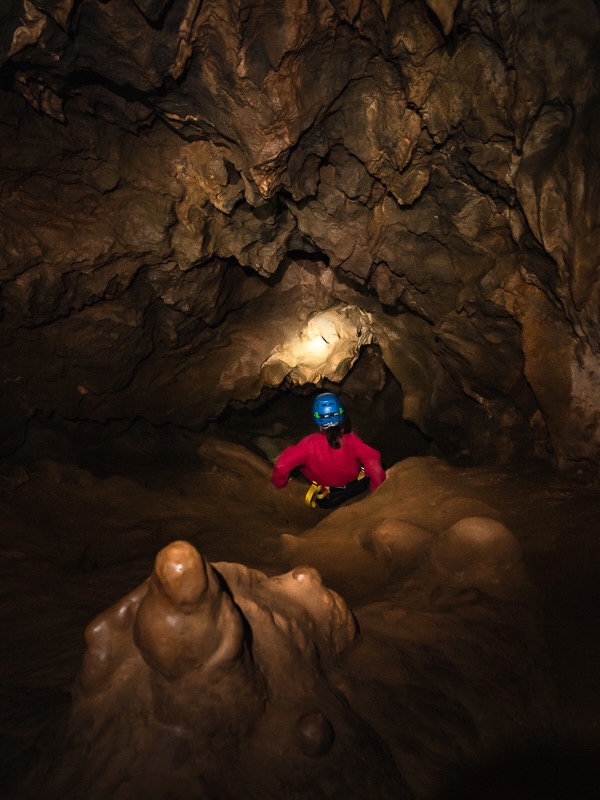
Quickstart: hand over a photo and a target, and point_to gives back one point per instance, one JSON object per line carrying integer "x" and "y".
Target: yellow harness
{"x": 316, "y": 491}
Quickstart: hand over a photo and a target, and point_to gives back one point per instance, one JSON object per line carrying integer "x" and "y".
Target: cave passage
{"x": 211, "y": 212}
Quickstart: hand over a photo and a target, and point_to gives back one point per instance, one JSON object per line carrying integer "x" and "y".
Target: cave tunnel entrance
{"x": 280, "y": 416}
{"x": 373, "y": 400}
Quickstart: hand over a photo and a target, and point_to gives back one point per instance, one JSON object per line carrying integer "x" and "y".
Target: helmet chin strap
{"x": 338, "y": 419}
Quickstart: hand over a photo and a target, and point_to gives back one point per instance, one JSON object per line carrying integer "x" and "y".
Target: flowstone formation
{"x": 187, "y": 186}
{"x": 220, "y": 681}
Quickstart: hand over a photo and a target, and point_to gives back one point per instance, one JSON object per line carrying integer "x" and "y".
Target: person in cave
{"x": 335, "y": 460}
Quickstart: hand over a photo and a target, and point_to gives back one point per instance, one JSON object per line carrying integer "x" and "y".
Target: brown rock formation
{"x": 181, "y": 181}
{"x": 220, "y": 682}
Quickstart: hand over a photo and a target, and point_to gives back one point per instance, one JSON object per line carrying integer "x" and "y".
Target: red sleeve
{"x": 290, "y": 458}
{"x": 371, "y": 461}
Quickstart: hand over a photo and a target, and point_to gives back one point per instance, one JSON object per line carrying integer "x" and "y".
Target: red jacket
{"x": 320, "y": 462}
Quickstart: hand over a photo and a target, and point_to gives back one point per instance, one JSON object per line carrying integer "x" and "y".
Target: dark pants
{"x": 339, "y": 494}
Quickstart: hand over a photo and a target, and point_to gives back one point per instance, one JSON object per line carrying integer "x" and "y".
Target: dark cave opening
{"x": 277, "y": 418}
{"x": 370, "y": 393}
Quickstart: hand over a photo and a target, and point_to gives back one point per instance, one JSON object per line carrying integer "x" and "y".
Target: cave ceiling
{"x": 192, "y": 190}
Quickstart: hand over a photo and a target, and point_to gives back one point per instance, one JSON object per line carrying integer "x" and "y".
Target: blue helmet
{"x": 327, "y": 410}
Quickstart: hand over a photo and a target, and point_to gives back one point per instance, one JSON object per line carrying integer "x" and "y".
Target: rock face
{"x": 216, "y": 681}
{"x": 460, "y": 652}
{"x": 185, "y": 186}
{"x": 220, "y": 682}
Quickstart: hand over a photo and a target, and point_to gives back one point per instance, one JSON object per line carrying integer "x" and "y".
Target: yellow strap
{"x": 315, "y": 492}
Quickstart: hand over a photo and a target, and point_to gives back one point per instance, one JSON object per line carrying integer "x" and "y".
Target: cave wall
{"x": 185, "y": 184}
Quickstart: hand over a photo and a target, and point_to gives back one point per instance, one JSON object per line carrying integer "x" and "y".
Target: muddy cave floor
{"x": 80, "y": 529}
